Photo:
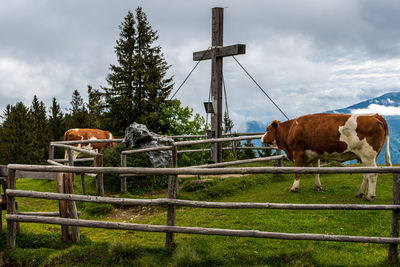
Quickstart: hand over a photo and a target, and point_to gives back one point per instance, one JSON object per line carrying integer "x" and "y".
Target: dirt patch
{"x": 133, "y": 213}
{"x": 208, "y": 176}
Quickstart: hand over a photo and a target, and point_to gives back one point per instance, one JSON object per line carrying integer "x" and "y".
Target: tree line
{"x": 137, "y": 90}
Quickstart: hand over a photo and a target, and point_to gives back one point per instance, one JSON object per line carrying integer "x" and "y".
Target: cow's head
{"x": 270, "y": 136}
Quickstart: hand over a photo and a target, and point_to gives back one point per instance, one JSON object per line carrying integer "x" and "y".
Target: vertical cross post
{"x": 216, "y": 81}
{"x": 216, "y": 54}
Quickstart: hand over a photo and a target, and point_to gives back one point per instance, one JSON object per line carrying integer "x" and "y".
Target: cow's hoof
{"x": 317, "y": 188}
{"x": 294, "y": 190}
{"x": 370, "y": 198}
{"x": 360, "y": 195}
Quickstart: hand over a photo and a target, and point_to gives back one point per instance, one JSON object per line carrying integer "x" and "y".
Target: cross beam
{"x": 216, "y": 54}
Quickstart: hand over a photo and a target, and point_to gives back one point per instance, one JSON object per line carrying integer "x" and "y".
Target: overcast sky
{"x": 310, "y": 56}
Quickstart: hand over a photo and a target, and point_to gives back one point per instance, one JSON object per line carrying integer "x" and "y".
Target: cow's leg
{"x": 317, "y": 182}
{"x": 298, "y": 162}
{"x": 373, "y": 177}
{"x": 363, "y": 187}
{"x": 368, "y": 179}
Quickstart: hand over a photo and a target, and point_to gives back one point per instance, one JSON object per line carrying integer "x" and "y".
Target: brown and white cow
{"x": 339, "y": 137}
{"x": 87, "y": 134}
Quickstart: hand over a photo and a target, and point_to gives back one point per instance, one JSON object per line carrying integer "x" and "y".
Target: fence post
{"x": 62, "y": 205}
{"x": 99, "y": 180}
{"x": 279, "y": 152}
{"x": 172, "y": 194}
{"x": 394, "y": 225}
{"x": 123, "y": 179}
{"x": 72, "y": 211}
{"x": 83, "y": 183}
{"x": 11, "y": 209}
{"x": 51, "y": 152}
{"x": 234, "y": 149}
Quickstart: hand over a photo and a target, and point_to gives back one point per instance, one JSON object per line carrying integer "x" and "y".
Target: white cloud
{"x": 380, "y": 109}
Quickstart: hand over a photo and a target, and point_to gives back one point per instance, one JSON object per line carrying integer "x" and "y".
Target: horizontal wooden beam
{"x": 225, "y": 51}
{"x": 74, "y": 142}
{"x": 237, "y": 162}
{"x": 205, "y": 171}
{"x": 200, "y": 230}
{"x": 195, "y": 204}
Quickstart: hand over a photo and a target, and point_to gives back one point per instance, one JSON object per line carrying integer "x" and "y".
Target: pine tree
{"x": 16, "y": 135}
{"x": 78, "y": 116}
{"x": 95, "y": 107}
{"x": 39, "y": 145}
{"x": 137, "y": 84}
{"x": 56, "y": 123}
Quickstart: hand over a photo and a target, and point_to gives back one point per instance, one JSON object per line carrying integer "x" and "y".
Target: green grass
{"x": 41, "y": 245}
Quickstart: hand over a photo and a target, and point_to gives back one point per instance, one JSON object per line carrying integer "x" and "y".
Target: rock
{"x": 138, "y": 136}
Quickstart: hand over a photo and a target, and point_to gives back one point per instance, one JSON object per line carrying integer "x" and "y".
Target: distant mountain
{"x": 387, "y": 105}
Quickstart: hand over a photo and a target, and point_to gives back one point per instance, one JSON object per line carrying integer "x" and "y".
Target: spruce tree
{"x": 78, "y": 116}
{"x": 95, "y": 107}
{"x": 16, "y": 135}
{"x": 40, "y": 133}
{"x": 56, "y": 123}
{"x": 137, "y": 85}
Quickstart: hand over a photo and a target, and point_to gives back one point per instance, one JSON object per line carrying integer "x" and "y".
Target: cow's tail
{"x": 387, "y": 151}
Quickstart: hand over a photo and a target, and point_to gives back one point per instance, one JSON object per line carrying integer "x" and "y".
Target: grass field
{"x": 40, "y": 245}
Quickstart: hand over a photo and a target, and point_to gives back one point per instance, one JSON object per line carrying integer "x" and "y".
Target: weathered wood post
{"x": 394, "y": 226}
{"x": 99, "y": 180}
{"x": 72, "y": 211}
{"x": 11, "y": 209}
{"x": 83, "y": 183}
{"x": 279, "y": 152}
{"x": 71, "y": 163}
{"x": 62, "y": 205}
{"x": 172, "y": 194}
{"x": 216, "y": 54}
{"x": 123, "y": 179}
{"x": 51, "y": 152}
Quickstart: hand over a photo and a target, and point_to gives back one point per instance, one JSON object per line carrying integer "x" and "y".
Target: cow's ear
{"x": 275, "y": 123}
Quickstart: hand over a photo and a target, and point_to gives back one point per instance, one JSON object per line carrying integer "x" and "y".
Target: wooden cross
{"x": 216, "y": 54}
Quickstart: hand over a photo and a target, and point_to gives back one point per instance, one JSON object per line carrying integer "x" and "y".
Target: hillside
{"x": 387, "y": 105}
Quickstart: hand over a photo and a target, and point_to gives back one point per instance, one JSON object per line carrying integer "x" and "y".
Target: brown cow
{"x": 339, "y": 137}
{"x": 88, "y": 134}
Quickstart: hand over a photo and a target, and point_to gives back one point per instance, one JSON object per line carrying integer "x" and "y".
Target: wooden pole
{"x": 394, "y": 226}
{"x": 62, "y": 206}
{"x": 123, "y": 179}
{"x": 11, "y": 209}
{"x": 73, "y": 213}
{"x": 99, "y": 180}
{"x": 278, "y": 153}
{"x": 172, "y": 194}
{"x": 216, "y": 81}
{"x": 83, "y": 183}
{"x": 202, "y": 231}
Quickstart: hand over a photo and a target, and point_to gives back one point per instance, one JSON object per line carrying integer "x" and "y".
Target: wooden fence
{"x": 175, "y": 151}
{"x": 98, "y": 160}
{"x": 171, "y": 203}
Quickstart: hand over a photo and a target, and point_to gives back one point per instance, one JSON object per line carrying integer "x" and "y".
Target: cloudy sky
{"x": 309, "y": 55}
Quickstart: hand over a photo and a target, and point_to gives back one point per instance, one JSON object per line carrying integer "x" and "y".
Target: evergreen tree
{"x": 40, "y": 133}
{"x": 95, "y": 107}
{"x": 16, "y": 135}
{"x": 56, "y": 123}
{"x": 228, "y": 123}
{"x": 78, "y": 116}
{"x": 137, "y": 84}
